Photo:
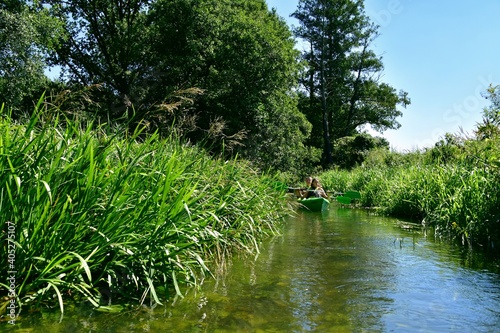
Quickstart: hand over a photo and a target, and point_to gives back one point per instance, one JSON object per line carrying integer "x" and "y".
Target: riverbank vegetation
{"x": 117, "y": 219}
{"x": 452, "y": 186}
{"x": 248, "y": 84}
{"x": 144, "y": 159}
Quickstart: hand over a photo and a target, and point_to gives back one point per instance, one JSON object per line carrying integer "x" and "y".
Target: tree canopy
{"x": 226, "y": 73}
{"x": 489, "y": 127}
{"x": 25, "y": 38}
{"x": 342, "y": 77}
{"x": 239, "y": 54}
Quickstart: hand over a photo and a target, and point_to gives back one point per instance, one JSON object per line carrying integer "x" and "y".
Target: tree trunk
{"x": 312, "y": 96}
{"x": 327, "y": 149}
{"x": 355, "y": 93}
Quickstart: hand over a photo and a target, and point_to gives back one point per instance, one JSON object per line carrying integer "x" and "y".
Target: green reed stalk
{"x": 120, "y": 220}
{"x": 460, "y": 199}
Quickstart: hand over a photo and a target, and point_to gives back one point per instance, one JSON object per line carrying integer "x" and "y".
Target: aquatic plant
{"x": 459, "y": 196}
{"x": 112, "y": 218}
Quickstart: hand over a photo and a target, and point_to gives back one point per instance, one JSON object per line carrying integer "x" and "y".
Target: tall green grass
{"x": 460, "y": 199}
{"x": 121, "y": 219}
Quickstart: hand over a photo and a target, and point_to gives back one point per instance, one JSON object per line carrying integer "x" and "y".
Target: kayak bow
{"x": 314, "y": 204}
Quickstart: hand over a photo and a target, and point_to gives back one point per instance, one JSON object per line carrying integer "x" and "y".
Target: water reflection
{"x": 340, "y": 271}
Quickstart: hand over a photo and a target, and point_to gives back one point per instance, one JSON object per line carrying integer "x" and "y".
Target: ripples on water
{"x": 339, "y": 271}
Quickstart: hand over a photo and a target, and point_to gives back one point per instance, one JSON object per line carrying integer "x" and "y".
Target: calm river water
{"x": 338, "y": 271}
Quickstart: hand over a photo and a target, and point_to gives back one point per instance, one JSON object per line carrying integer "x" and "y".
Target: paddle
{"x": 344, "y": 200}
{"x": 282, "y": 187}
{"x": 349, "y": 194}
{"x": 335, "y": 193}
{"x": 292, "y": 189}
{"x": 353, "y": 194}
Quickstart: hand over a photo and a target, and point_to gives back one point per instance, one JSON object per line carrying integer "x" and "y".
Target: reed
{"x": 115, "y": 219}
{"x": 460, "y": 199}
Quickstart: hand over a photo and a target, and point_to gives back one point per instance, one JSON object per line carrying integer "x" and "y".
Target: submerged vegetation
{"x": 119, "y": 219}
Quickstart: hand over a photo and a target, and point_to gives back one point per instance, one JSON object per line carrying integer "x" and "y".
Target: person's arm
{"x": 299, "y": 193}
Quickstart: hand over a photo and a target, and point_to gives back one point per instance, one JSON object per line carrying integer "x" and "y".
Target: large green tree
{"x": 26, "y": 35}
{"x": 243, "y": 56}
{"x": 107, "y": 43}
{"x": 341, "y": 82}
{"x": 239, "y": 54}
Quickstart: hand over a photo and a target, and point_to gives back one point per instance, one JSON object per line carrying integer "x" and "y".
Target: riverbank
{"x": 460, "y": 199}
{"x": 94, "y": 215}
{"x": 343, "y": 270}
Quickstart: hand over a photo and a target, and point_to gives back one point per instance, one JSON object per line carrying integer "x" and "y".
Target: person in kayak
{"x": 308, "y": 181}
{"x": 317, "y": 190}
{"x": 303, "y": 193}
{"x": 313, "y": 190}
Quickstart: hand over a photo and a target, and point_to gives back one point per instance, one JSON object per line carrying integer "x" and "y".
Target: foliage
{"x": 239, "y": 57}
{"x": 25, "y": 37}
{"x": 489, "y": 128}
{"x": 446, "y": 149}
{"x": 112, "y": 219}
{"x": 342, "y": 77}
{"x": 452, "y": 187}
{"x": 493, "y": 111}
{"x": 351, "y": 151}
{"x": 383, "y": 157}
{"x": 107, "y": 43}
{"x": 248, "y": 73}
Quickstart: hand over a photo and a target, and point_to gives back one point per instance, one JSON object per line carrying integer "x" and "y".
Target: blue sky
{"x": 444, "y": 53}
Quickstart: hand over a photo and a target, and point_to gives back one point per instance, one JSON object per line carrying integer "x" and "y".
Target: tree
{"x": 26, "y": 35}
{"x": 351, "y": 151}
{"x": 342, "y": 77}
{"x": 107, "y": 43}
{"x": 242, "y": 56}
{"x": 489, "y": 127}
{"x": 239, "y": 54}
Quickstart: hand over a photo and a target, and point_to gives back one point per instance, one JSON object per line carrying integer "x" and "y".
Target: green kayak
{"x": 314, "y": 204}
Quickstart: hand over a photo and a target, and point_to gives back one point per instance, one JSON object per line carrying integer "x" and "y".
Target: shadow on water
{"x": 338, "y": 271}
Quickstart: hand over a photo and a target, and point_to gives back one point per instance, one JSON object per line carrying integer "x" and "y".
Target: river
{"x": 343, "y": 270}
